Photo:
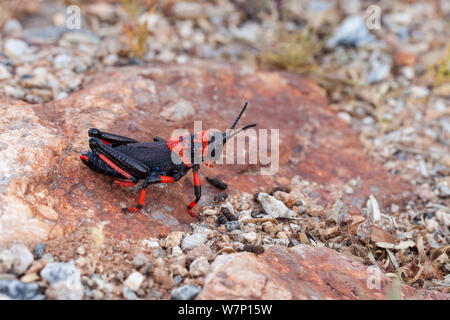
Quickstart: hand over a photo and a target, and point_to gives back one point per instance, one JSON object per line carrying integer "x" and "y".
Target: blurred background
{"x": 384, "y": 64}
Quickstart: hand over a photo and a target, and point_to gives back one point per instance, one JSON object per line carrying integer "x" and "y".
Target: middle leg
{"x": 197, "y": 191}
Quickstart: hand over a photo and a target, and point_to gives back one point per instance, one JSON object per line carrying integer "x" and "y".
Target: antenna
{"x": 239, "y": 116}
{"x": 240, "y": 130}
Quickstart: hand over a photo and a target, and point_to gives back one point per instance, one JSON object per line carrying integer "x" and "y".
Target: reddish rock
{"x": 48, "y": 191}
{"x": 404, "y": 58}
{"x": 302, "y": 272}
{"x": 20, "y": 8}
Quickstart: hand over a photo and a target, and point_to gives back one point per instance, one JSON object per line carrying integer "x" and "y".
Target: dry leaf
{"x": 405, "y": 245}
{"x": 257, "y": 220}
{"x": 374, "y": 209}
{"x": 421, "y": 249}
{"x": 356, "y": 221}
{"x": 377, "y": 234}
{"x": 393, "y": 259}
{"x": 431, "y": 272}
{"x": 331, "y": 230}
{"x": 304, "y": 238}
{"x": 226, "y": 250}
{"x": 417, "y": 276}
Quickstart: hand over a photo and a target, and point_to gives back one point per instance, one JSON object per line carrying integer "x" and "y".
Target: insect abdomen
{"x": 93, "y": 161}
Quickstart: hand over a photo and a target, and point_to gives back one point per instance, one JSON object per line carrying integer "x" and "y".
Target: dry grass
{"x": 443, "y": 70}
{"x": 296, "y": 52}
{"x": 300, "y": 52}
{"x": 98, "y": 238}
{"x": 136, "y": 31}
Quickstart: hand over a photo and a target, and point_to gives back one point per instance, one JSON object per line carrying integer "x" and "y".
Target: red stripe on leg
{"x": 114, "y": 166}
{"x": 192, "y": 204}
{"x": 124, "y": 183}
{"x": 192, "y": 213}
{"x": 196, "y": 179}
{"x": 166, "y": 179}
{"x": 142, "y": 197}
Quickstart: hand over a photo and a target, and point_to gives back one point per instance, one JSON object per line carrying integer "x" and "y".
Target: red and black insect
{"x": 153, "y": 162}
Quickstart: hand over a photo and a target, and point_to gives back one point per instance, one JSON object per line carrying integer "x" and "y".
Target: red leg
{"x": 160, "y": 179}
{"x": 139, "y": 205}
{"x": 124, "y": 183}
{"x": 198, "y": 192}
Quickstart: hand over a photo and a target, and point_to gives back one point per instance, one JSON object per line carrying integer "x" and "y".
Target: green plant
{"x": 300, "y": 52}
{"x": 443, "y": 71}
{"x": 136, "y": 32}
{"x": 294, "y": 51}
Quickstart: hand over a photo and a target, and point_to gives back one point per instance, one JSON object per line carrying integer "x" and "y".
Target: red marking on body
{"x": 114, "y": 166}
{"x": 176, "y": 145}
{"x": 166, "y": 179}
{"x": 84, "y": 157}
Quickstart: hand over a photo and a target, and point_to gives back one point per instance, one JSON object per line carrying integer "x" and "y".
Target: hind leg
{"x": 119, "y": 161}
{"x": 110, "y": 138}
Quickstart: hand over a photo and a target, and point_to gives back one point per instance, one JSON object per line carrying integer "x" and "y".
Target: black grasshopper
{"x": 160, "y": 161}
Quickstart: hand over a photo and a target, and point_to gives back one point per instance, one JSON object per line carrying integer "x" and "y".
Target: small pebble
{"x": 222, "y": 196}
{"x": 18, "y": 290}
{"x": 140, "y": 260}
{"x": 216, "y": 182}
{"x": 6, "y": 260}
{"x": 227, "y": 213}
{"x": 81, "y": 250}
{"x": 39, "y": 250}
{"x": 186, "y": 292}
{"x": 251, "y": 237}
{"x": 199, "y": 267}
{"x": 22, "y": 258}
{"x": 134, "y": 281}
{"x": 173, "y": 239}
{"x": 128, "y": 294}
{"x": 232, "y": 225}
{"x": 221, "y": 219}
{"x": 253, "y": 248}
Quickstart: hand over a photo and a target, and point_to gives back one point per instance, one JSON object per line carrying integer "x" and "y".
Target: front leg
{"x": 152, "y": 179}
{"x": 197, "y": 191}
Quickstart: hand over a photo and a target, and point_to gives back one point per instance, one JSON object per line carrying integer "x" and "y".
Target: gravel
{"x": 273, "y": 207}
{"x": 18, "y": 290}
{"x": 6, "y": 260}
{"x": 134, "y": 281}
{"x": 186, "y": 292}
{"x": 22, "y": 258}
{"x": 39, "y": 250}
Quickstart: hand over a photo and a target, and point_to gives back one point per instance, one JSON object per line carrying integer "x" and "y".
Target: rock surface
{"x": 64, "y": 281}
{"x": 45, "y": 190}
{"x": 303, "y": 272}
